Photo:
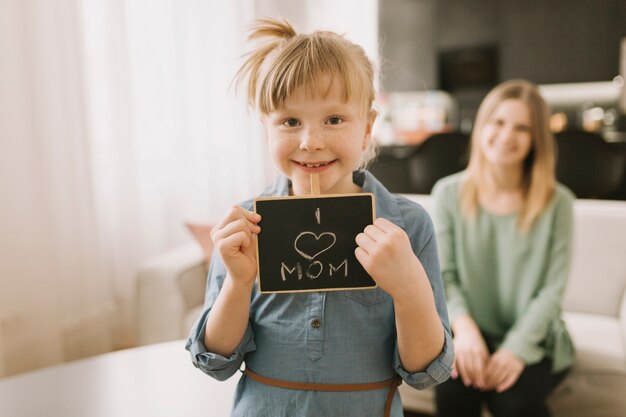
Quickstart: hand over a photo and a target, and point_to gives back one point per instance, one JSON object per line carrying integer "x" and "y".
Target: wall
{"x": 407, "y": 37}
{"x": 561, "y": 41}
{"x": 356, "y": 19}
{"x": 554, "y": 41}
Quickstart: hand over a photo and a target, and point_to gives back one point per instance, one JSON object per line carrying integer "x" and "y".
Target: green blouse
{"x": 511, "y": 283}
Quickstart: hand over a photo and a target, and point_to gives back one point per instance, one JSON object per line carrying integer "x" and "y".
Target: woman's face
{"x": 506, "y": 138}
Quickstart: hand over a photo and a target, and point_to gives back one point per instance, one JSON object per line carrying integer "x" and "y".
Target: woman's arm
{"x": 532, "y": 327}
{"x": 445, "y": 208}
{"x": 471, "y": 352}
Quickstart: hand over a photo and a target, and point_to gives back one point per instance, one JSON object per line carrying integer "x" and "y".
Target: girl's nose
{"x": 311, "y": 140}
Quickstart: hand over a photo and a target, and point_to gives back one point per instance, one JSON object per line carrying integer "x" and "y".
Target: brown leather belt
{"x": 391, "y": 383}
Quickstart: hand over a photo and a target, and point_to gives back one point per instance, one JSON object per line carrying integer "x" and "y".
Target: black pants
{"x": 526, "y": 398}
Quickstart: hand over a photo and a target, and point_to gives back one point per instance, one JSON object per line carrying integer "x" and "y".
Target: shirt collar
{"x": 386, "y": 202}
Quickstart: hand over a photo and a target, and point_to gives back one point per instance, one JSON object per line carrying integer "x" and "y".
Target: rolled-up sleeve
{"x": 214, "y": 365}
{"x": 435, "y": 373}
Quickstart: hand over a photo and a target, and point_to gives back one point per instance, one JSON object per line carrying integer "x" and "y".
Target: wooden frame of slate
{"x": 307, "y": 243}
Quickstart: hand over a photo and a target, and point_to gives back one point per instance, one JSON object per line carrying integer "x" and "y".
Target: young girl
{"x": 504, "y": 229}
{"x": 335, "y": 353}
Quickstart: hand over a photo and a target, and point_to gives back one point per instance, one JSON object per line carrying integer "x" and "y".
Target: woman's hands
{"x": 470, "y": 353}
{"x": 474, "y": 363}
{"x": 234, "y": 238}
{"x": 385, "y": 252}
{"x": 503, "y": 370}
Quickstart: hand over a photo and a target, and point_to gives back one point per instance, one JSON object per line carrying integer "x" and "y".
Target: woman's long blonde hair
{"x": 538, "y": 182}
{"x": 286, "y": 61}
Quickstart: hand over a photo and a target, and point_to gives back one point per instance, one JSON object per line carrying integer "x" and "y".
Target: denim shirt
{"x": 334, "y": 337}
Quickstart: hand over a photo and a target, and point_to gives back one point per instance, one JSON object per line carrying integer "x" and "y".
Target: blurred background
{"x": 437, "y": 66}
{"x": 119, "y": 129}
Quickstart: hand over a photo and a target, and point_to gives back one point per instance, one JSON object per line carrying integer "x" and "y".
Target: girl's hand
{"x": 385, "y": 252}
{"x": 233, "y": 237}
{"x": 503, "y": 370}
{"x": 470, "y": 353}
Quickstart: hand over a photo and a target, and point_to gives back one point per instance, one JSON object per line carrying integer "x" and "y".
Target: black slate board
{"x": 307, "y": 242}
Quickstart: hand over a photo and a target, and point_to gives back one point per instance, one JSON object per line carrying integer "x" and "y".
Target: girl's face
{"x": 323, "y": 135}
{"x": 506, "y": 138}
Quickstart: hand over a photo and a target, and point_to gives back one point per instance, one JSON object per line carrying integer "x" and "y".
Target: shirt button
{"x": 316, "y": 323}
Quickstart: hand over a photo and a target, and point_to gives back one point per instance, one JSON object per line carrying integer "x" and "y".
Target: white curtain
{"x": 117, "y": 125}
{"x": 169, "y": 141}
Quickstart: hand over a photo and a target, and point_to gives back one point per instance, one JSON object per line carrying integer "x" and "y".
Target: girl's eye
{"x": 523, "y": 128}
{"x": 498, "y": 122}
{"x": 335, "y": 120}
{"x": 291, "y": 122}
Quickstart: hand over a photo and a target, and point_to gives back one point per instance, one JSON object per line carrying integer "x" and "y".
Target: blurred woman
{"x": 504, "y": 229}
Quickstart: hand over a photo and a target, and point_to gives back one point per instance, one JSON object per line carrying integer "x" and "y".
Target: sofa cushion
{"x": 202, "y": 234}
{"x": 598, "y": 261}
{"x": 598, "y": 342}
{"x": 192, "y": 283}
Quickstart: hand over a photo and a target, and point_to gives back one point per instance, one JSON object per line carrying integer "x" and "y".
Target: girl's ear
{"x": 371, "y": 118}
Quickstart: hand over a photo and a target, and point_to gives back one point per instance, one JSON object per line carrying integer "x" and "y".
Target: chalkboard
{"x": 307, "y": 242}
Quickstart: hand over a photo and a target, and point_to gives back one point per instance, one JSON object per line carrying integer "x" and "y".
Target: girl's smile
{"x": 315, "y": 166}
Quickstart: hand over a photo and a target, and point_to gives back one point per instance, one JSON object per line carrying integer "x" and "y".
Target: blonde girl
{"x": 338, "y": 353}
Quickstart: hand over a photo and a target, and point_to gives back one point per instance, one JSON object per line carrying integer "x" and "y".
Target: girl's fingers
{"x": 236, "y": 241}
{"x": 251, "y": 216}
{"x": 232, "y": 223}
{"x": 361, "y": 255}
{"x": 375, "y": 233}
{"x": 239, "y": 225}
{"x": 251, "y": 219}
{"x": 365, "y": 242}
{"x": 384, "y": 225}
{"x": 235, "y": 213}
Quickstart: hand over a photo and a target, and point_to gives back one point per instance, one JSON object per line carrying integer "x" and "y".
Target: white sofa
{"x": 171, "y": 290}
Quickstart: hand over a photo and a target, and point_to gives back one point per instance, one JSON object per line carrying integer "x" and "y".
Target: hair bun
{"x": 271, "y": 28}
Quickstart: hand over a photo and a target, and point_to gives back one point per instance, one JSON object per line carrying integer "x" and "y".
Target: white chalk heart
{"x": 316, "y": 246}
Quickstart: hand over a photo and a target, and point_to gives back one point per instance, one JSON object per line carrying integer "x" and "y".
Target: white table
{"x": 148, "y": 381}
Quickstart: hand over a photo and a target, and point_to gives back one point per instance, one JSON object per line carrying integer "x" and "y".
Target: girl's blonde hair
{"x": 538, "y": 172}
{"x": 286, "y": 61}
